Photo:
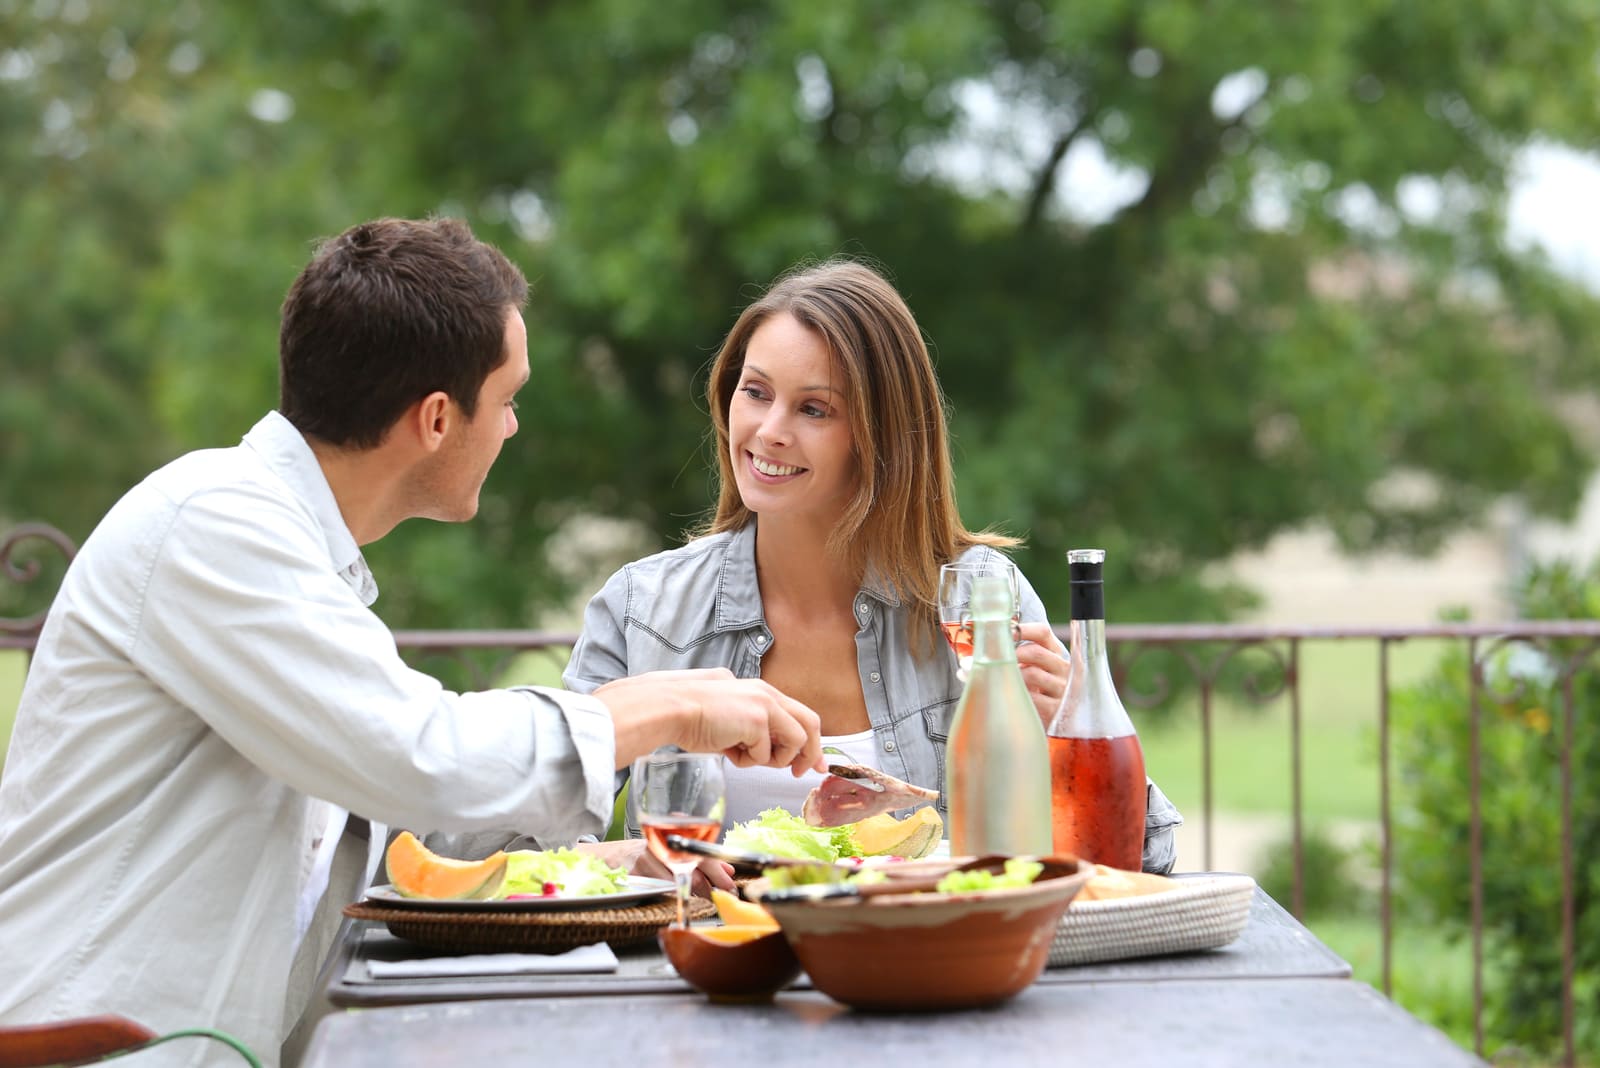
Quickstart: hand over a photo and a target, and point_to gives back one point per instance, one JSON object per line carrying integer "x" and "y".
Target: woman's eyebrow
{"x": 823, "y": 388}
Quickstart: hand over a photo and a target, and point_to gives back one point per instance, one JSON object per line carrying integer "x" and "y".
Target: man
{"x": 211, "y": 694}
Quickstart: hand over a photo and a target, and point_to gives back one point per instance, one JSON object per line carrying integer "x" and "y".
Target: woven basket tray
{"x": 1201, "y": 913}
{"x": 498, "y": 932}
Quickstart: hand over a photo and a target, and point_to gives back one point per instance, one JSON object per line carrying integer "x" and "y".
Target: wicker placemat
{"x": 499, "y": 932}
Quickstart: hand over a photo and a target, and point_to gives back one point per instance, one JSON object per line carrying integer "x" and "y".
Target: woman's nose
{"x": 774, "y": 429}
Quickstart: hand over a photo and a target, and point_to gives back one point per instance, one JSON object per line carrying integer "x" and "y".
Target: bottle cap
{"x": 991, "y": 598}
{"x": 1085, "y": 565}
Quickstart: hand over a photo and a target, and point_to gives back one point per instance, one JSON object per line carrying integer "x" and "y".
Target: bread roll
{"x": 1108, "y": 883}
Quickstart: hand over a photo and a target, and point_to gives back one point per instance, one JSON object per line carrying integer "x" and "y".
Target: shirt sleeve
{"x": 1033, "y": 610}
{"x": 244, "y": 622}
{"x": 1161, "y": 820}
{"x": 601, "y": 653}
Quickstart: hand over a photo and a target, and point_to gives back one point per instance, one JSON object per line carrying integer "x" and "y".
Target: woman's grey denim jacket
{"x": 699, "y": 606}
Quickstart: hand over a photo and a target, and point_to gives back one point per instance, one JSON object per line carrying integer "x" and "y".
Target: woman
{"x": 818, "y": 571}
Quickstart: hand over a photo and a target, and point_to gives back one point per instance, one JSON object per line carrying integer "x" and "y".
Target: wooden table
{"x": 1274, "y": 945}
{"x": 1309, "y": 1022}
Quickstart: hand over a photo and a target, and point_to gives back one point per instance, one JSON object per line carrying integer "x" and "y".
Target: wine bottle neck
{"x": 1092, "y": 633}
{"x": 1090, "y": 707}
{"x": 1088, "y": 601}
{"x": 992, "y": 641}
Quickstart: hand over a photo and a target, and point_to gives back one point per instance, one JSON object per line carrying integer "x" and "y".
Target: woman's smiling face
{"x": 788, "y": 428}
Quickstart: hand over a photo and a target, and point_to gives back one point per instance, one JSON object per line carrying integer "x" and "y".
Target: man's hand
{"x": 710, "y": 711}
{"x": 1043, "y": 660}
{"x": 632, "y": 856}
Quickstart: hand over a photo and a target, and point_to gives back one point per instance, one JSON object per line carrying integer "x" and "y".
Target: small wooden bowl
{"x": 749, "y": 971}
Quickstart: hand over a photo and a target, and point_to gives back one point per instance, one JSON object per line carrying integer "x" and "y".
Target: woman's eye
{"x": 814, "y": 411}
{"x": 753, "y": 392}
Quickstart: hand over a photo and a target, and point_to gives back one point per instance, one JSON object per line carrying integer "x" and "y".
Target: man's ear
{"x": 430, "y": 418}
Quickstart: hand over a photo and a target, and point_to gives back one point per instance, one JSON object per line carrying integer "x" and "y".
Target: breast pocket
{"x": 936, "y": 724}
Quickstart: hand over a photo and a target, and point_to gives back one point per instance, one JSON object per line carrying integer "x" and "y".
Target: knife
{"x": 746, "y": 859}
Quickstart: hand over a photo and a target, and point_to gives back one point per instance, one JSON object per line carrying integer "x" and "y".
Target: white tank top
{"x": 753, "y": 790}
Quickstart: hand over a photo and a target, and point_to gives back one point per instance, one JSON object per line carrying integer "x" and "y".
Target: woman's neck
{"x": 794, "y": 567}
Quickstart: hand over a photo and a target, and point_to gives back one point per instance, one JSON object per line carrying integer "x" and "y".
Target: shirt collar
{"x": 284, "y": 449}
{"x": 738, "y": 590}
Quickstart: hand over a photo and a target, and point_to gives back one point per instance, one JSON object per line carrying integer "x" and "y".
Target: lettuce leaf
{"x": 576, "y": 874}
{"x": 1017, "y": 873}
{"x": 783, "y": 834}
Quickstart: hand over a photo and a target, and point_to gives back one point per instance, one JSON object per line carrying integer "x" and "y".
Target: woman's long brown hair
{"x": 903, "y": 521}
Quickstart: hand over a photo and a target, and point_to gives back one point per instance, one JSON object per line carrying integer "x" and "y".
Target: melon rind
{"x": 913, "y": 837}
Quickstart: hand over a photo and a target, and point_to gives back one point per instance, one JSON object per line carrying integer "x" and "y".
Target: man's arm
{"x": 244, "y": 623}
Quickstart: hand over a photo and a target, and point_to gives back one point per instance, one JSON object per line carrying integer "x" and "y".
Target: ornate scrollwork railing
{"x": 19, "y": 566}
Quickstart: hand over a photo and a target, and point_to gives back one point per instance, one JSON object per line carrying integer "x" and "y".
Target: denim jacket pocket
{"x": 936, "y": 724}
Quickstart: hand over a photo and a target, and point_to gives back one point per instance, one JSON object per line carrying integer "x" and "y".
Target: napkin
{"x": 595, "y": 958}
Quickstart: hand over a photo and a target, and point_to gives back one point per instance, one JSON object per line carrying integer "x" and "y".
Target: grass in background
{"x": 1432, "y": 973}
{"x": 1251, "y": 743}
{"x": 12, "y": 667}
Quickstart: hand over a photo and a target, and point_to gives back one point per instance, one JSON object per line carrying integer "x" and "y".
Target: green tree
{"x": 1256, "y": 340}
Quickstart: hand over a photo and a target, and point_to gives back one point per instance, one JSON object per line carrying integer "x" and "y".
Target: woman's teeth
{"x": 773, "y": 469}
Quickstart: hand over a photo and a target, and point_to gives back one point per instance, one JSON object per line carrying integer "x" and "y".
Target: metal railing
{"x": 1210, "y": 656}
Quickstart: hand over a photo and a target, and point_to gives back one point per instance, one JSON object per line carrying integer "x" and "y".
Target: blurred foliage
{"x": 1253, "y": 341}
{"x": 1329, "y": 885}
{"x": 1522, "y": 703}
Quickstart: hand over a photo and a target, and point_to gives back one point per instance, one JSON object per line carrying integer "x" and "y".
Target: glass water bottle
{"x": 1097, "y": 783}
{"x": 998, "y": 769}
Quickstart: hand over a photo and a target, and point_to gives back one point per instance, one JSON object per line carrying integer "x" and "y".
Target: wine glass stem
{"x": 682, "y": 877}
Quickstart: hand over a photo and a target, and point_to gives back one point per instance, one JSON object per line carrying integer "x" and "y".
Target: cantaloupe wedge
{"x": 883, "y": 835}
{"x": 416, "y": 871}
{"x": 733, "y": 934}
{"x": 738, "y": 913}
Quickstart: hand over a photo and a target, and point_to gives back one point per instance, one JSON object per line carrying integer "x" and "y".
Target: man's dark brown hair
{"x": 386, "y": 313}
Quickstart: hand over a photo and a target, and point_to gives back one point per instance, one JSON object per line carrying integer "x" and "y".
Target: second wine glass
{"x": 678, "y": 793}
{"x": 955, "y": 603}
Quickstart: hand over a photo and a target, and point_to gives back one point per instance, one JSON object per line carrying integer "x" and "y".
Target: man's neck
{"x": 365, "y": 485}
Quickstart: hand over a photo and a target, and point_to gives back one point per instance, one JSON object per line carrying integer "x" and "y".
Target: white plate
{"x": 639, "y": 889}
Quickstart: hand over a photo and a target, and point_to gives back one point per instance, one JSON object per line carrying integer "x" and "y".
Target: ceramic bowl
{"x": 736, "y": 971}
{"x": 929, "y": 952}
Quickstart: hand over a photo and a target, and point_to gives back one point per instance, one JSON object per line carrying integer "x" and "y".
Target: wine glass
{"x": 955, "y": 603}
{"x": 678, "y": 793}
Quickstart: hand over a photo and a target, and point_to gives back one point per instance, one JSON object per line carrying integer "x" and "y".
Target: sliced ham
{"x": 853, "y": 792}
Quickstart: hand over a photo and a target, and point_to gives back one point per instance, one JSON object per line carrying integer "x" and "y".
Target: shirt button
{"x": 861, "y": 608}
{"x": 888, "y": 747}
{"x": 875, "y": 677}
{"x": 761, "y": 639}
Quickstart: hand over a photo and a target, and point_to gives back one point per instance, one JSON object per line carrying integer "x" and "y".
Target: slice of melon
{"x": 883, "y": 835}
{"x": 736, "y": 913}
{"x": 416, "y": 871}
{"x": 734, "y": 934}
